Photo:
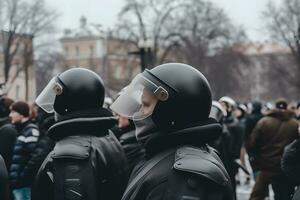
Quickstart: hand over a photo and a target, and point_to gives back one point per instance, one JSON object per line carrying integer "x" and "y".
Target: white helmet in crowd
{"x": 228, "y": 101}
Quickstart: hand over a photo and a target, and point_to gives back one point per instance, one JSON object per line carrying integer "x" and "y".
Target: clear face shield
{"x": 139, "y": 99}
{"x": 46, "y": 98}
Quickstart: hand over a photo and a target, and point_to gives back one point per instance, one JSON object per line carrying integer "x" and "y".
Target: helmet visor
{"x": 46, "y": 98}
{"x": 139, "y": 99}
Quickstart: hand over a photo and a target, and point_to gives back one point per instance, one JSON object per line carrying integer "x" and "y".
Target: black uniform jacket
{"x": 91, "y": 162}
{"x": 290, "y": 162}
{"x": 185, "y": 168}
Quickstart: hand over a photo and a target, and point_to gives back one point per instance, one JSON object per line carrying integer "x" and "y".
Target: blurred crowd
{"x": 265, "y": 133}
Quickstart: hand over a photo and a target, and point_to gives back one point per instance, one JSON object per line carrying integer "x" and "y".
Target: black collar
{"x": 196, "y": 135}
{"x": 87, "y": 122}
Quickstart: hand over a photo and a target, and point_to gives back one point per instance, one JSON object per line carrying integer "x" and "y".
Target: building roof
{"x": 84, "y": 31}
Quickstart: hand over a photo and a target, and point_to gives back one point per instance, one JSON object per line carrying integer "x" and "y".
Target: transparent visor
{"x": 139, "y": 99}
{"x": 46, "y": 98}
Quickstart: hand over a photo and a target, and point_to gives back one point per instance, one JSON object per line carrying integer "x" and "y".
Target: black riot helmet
{"x": 73, "y": 90}
{"x": 182, "y": 96}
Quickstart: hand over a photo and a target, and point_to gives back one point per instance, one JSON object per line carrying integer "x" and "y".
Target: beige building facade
{"x": 15, "y": 87}
{"x": 87, "y": 47}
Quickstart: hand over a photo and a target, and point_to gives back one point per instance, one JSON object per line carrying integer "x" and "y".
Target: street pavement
{"x": 244, "y": 190}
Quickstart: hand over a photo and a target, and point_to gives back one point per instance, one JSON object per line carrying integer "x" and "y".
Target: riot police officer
{"x": 170, "y": 105}
{"x": 87, "y": 161}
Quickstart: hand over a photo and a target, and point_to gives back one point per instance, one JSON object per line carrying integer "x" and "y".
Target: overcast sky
{"x": 244, "y": 12}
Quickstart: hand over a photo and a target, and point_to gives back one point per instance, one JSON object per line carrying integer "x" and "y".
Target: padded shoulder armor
{"x": 201, "y": 162}
{"x": 72, "y": 148}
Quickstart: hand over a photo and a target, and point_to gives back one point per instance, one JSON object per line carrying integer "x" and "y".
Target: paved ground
{"x": 244, "y": 190}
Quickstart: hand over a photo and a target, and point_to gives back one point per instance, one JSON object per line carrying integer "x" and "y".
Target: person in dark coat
{"x": 87, "y": 161}
{"x": 241, "y": 113}
{"x": 20, "y": 173}
{"x": 251, "y": 121}
{"x": 236, "y": 134}
{"x": 290, "y": 164}
{"x": 5, "y": 103}
{"x": 8, "y": 133}
{"x": 171, "y": 116}
{"x": 267, "y": 141}
{"x": 4, "y": 185}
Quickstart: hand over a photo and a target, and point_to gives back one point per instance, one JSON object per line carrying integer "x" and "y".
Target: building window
{"x": 91, "y": 50}
{"x": 77, "y": 51}
{"x": 120, "y": 73}
{"x": 67, "y": 51}
{"x": 117, "y": 72}
{"x": 17, "y": 92}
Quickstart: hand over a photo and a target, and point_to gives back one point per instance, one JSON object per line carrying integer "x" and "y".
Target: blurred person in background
{"x": 8, "y": 133}
{"x": 4, "y": 185}
{"x": 241, "y": 113}
{"x": 21, "y": 173}
{"x": 267, "y": 107}
{"x": 250, "y": 122}
{"x": 267, "y": 141}
{"x": 236, "y": 133}
{"x": 290, "y": 163}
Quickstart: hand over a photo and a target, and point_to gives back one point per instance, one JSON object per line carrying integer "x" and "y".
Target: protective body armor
{"x": 193, "y": 173}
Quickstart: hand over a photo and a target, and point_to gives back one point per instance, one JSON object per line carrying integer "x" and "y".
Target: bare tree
{"x": 204, "y": 31}
{"x": 191, "y": 31}
{"x": 147, "y": 20}
{"x": 283, "y": 25}
{"x": 45, "y": 66}
{"x": 27, "y": 20}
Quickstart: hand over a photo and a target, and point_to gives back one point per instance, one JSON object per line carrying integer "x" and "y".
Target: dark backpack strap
{"x": 141, "y": 175}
